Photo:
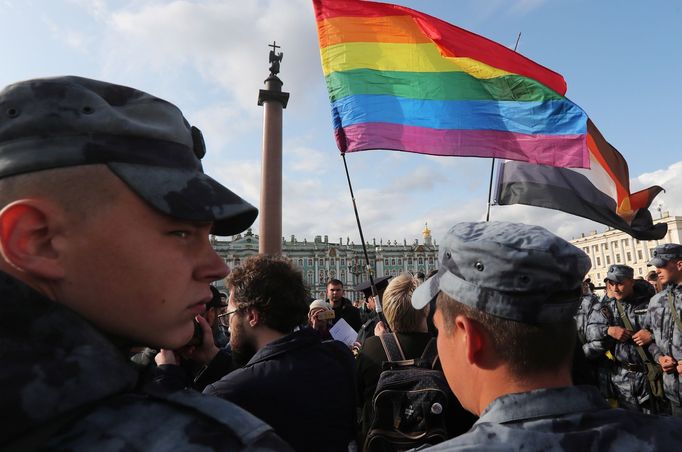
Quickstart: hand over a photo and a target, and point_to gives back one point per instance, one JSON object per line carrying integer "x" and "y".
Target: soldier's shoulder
{"x": 185, "y": 420}
{"x": 601, "y": 310}
{"x": 659, "y": 298}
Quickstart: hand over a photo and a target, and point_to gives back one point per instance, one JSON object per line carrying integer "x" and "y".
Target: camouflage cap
{"x": 619, "y": 273}
{"x": 509, "y": 270}
{"x": 146, "y": 141}
{"x": 664, "y": 253}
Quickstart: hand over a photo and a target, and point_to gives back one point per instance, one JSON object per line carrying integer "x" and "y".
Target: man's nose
{"x": 212, "y": 266}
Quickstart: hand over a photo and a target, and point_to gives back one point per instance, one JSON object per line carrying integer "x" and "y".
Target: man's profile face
{"x": 137, "y": 274}
{"x": 620, "y": 290}
{"x": 334, "y": 293}
{"x": 671, "y": 272}
{"x": 371, "y": 303}
{"x": 241, "y": 342}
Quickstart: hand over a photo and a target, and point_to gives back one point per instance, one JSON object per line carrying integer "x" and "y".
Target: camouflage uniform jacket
{"x": 628, "y": 376}
{"x": 587, "y": 303}
{"x": 570, "y": 418}
{"x": 667, "y": 337}
{"x": 65, "y": 386}
{"x": 605, "y": 315}
{"x": 597, "y": 341}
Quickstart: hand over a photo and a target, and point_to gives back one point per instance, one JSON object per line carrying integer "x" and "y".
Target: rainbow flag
{"x": 402, "y": 80}
{"x": 600, "y": 193}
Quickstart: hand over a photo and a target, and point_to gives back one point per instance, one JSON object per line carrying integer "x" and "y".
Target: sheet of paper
{"x": 342, "y": 331}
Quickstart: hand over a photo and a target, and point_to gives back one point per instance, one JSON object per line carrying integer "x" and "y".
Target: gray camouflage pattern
{"x": 510, "y": 270}
{"x": 565, "y": 419}
{"x": 146, "y": 141}
{"x": 664, "y": 253}
{"x": 587, "y": 303}
{"x": 57, "y": 370}
{"x": 667, "y": 337}
{"x": 629, "y": 387}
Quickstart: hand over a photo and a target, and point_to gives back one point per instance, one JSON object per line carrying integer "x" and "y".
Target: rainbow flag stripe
{"x": 402, "y": 80}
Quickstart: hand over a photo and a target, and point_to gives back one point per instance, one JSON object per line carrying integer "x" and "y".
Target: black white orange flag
{"x": 601, "y": 193}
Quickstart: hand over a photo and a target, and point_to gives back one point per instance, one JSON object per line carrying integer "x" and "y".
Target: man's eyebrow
{"x": 178, "y": 222}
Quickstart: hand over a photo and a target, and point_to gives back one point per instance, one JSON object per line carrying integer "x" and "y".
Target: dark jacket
{"x": 301, "y": 386}
{"x": 349, "y": 313}
{"x": 65, "y": 386}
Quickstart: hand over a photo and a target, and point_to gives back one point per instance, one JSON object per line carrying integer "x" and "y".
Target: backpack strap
{"x": 430, "y": 354}
{"x": 392, "y": 347}
{"x": 673, "y": 311}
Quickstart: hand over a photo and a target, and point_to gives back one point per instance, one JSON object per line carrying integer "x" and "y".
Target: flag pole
{"x": 375, "y": 294}
{"x": 492, "y": 163}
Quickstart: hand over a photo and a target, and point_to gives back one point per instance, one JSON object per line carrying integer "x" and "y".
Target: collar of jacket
{"x": 292, "y": 341}
{"x": 54, "y": 361}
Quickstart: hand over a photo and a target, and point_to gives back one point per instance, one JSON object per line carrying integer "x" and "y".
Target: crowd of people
{"x": 113, "y": 338}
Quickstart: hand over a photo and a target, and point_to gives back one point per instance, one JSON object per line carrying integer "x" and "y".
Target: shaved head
{"x": 78, "y": 190}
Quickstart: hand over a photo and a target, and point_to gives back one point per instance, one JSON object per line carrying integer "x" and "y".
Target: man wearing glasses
{"x": 300, "y": 385}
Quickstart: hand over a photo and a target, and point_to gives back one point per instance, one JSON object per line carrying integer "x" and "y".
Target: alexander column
{"x": 274, "y": 100}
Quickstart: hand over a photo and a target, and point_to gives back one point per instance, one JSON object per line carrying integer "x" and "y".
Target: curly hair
{"x": 273, "y": 286}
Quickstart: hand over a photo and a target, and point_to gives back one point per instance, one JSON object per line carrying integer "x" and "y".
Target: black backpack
{"x": 411, "y": 401}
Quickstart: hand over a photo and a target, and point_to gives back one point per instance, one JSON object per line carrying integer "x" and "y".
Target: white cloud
{"x": 226, "y": 41}
{"x": 670, "y": 179}
{"x": 422, "y": 178}
{"x": 95, "y": 8}
{"x": 242, "y": 177}
{"x": 72, "y": 38}
{"x": 222, "y": 124}
{"x": 307, "y": 160}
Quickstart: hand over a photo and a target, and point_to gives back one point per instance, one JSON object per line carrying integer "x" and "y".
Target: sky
{"x": 620, "y": 59}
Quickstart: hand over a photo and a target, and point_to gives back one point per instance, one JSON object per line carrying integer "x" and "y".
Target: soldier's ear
{"x": 474, "y": 340}
{"x": 28, "y": 229}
